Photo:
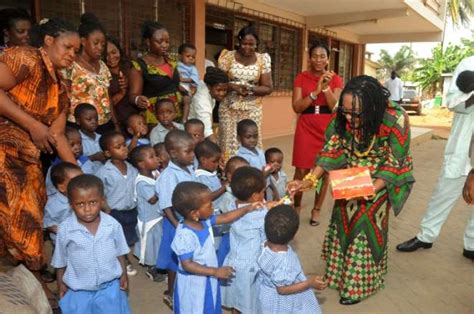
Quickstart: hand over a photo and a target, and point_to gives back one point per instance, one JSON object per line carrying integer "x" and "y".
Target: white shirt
{"x": 457, "y": 162}
{"x": 202, "y": 106}
{"x": 395, "y": 87}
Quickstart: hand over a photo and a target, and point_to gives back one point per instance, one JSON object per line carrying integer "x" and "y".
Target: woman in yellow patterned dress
{"x": 250, "y": 76}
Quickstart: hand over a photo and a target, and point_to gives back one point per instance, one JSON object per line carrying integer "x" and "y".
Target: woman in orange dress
{"x": 32, "y": 120}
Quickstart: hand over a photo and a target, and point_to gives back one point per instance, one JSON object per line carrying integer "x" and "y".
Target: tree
{"x": 460, "y": 11}
{"x": 430, "y": 72}
{"x": 402, "y": 62}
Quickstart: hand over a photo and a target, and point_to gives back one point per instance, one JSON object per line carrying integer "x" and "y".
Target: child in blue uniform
{"x": 180, "y": 147}
{"x": 278, "y": 177}
{"x": 118, "y": 177}
{"x": 282, "y": 287}
{"x": 227, "y": 203}
{"x": 247, "y": 133}
{"x": 137, "y": 130}
{"x": 150, "y": 225}
{"x": 197, "y": 288}
{"x": 90, "y": 254}
{"x": 195, "y": 128}
{"x": 165, "y": 113}
{"x": 87, "y": 120}
{"x": 163, "y": 156}
{"x": 57, "y": 207}
{"x": 246, "y": 238}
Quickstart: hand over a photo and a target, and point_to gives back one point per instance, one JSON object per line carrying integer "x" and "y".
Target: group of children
{"x": 219, "y": 232}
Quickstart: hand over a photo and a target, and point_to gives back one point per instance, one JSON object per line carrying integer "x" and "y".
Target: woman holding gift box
{"x": 367, "y": 131}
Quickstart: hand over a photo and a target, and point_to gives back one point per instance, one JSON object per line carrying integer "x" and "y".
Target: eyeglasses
{"x": 351, "y": 113}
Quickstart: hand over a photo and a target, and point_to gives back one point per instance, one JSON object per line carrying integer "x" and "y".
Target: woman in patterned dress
{"x": 32, "y": 120}
{"x": 250, "y": 79}
{"x": 368, "y": 130}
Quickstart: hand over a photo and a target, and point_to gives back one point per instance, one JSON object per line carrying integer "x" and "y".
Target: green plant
{"x": 402, "y": 62}
{"x": 460, "y": 11}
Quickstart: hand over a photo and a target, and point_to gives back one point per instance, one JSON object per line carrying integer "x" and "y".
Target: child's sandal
{"x": 168, "y": 300}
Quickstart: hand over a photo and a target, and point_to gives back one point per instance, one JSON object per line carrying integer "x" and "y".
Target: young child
{"x": 188, "y": 75}
{"x": 246, "y": 237}
{"x": 138, "y": 130}
{"x": 282, "y": 286}
{"x": 74, "y": 139}
{"x": 195, "y": 128}
{"x": 119, "y": 177}
{"x": 247, "y": 133}
{"x": 87, "y": 120}
{"x": 227, "y": 203}
{"x": 163, "y": 156}
{"x": 278, "y": 177}
{"x": 180, "y": 146}
{"x": 57, "y": 207}
{"x": 89, "y": 256}
{"x": 165, "y": 113}
{"x": 149, "y": 225}
{"x": 197, "y": 286}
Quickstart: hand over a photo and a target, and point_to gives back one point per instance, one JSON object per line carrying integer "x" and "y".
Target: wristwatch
{"x": 312, "y": 97}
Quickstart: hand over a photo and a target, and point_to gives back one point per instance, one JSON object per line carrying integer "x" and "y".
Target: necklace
{"x": 366, "y": 153}
{"x": 95, "y": 68}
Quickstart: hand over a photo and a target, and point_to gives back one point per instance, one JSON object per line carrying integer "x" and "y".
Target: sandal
{"x": 168, "y": 300}
{"x": 313, "y": 223}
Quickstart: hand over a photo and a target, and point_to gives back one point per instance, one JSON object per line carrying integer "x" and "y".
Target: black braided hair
{"x": 89, "y": 24}
{"x": 52, "y": 27}
{"x": 373, "y": 99}
{"x": 149, "y": 28}
{"x": 215, "y": 76}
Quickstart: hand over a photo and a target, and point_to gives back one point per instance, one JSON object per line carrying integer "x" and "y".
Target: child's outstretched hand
{"x": 124, "y": 282}
{"x": 318, "y": 283}
{"x": 271, "y": 204}
{"x": 225, "y": 272}
{"x": 255, "y": 206}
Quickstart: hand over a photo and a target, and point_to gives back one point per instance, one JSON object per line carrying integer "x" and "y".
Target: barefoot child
{"x": 282, "y": 287}
{"x": 197, "y": 288}
{"x": 90, "y": 254}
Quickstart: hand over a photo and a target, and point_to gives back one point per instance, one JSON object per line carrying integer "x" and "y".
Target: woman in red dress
{"x": 315, "y": 93}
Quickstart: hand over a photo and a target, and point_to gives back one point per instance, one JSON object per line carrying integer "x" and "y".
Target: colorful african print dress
{"x": 355, "y": 247}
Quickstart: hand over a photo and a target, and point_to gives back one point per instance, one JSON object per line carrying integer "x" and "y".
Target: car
{"x": 411, "y": 100}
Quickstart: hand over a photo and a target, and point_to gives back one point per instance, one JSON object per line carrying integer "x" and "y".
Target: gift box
{"x": 351, "y": 183}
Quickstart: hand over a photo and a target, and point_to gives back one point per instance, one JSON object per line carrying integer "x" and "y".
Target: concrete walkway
{"x": 439, "y": 280}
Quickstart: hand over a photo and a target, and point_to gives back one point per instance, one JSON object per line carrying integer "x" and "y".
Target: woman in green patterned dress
{"x": 367, "y": 130}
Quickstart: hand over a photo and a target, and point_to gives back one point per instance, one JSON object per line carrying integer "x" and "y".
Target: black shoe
{"x": 345, "y": 301}
{"x": 468, "y": 254}
{"x": 413, "y": 245}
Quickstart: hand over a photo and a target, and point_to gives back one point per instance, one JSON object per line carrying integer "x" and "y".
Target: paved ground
{"x": 439, "y": 280}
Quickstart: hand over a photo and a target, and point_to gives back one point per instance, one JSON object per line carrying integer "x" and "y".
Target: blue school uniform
{"x": 57, "y": 209}
{"x": 246, "y": 237}
{"x": 277, "y": 269}
{"x": 158, "y": 133}
{"x": 83, "y": 162}
{"x": 279, "y": 184}
{"x": 255, "y": 159}
{"x": 195, "y": 293}
{"x": 91, "y": 146}
{"x": 227, "y": 203}
{"x": 120, "y": 194}
{"x": 150, "y": 224}
{"x": 92, "y": 266}
{"x": 140, "y": 142}
{"x": 165, "y": 185}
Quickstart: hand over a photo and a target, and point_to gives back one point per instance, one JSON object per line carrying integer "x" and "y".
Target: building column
{"x": 198, "y": 33}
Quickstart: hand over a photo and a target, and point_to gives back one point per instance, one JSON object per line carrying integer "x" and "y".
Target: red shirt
{"x": 307, "y": 81}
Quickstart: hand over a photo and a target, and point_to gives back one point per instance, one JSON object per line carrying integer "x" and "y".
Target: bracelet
{"x": 312, "y": 178}
{"x": 312, "y": 97}
{"x": 136, "y": 99}
{"x": 325, "y": 90}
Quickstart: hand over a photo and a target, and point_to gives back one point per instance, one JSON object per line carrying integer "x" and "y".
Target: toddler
{"x": 163, "y": 156}
{"x": 227, "y": 203}
{"x": 247, "y": 133}
{"x": 89, "y": 255}
{"x": 149, "y": 219}
{"x": 165, "y": 113}
{"x": 246, "y": 237}
{"x": 87, "y": 120}
{"x": 180, "y": 147}
{"x": 197, "y": 288}
{"x": 209, "y": 156}
{"x": 57, "y": 207}
{"x": 188, "y": 75}
{"x": 282, "y": 286}
{"x": 278, "y": 178}
{"x": 119, "y": 177}
{"x": 138, "y": 130}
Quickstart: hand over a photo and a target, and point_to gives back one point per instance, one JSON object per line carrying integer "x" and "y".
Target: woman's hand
{"x": 142, "y": 102}
{"x": 242, "y": 90}
{"x": 123, "y": 82}
{"x": 42, "y": 137}
{"x": 324, "y": 80}
{"x": 296, "y": 186}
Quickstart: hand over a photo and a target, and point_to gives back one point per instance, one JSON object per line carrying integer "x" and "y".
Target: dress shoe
{"x": 345, "y": 301}
{"x": 468, "y": 254}
{"x": 413, "y": 245}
